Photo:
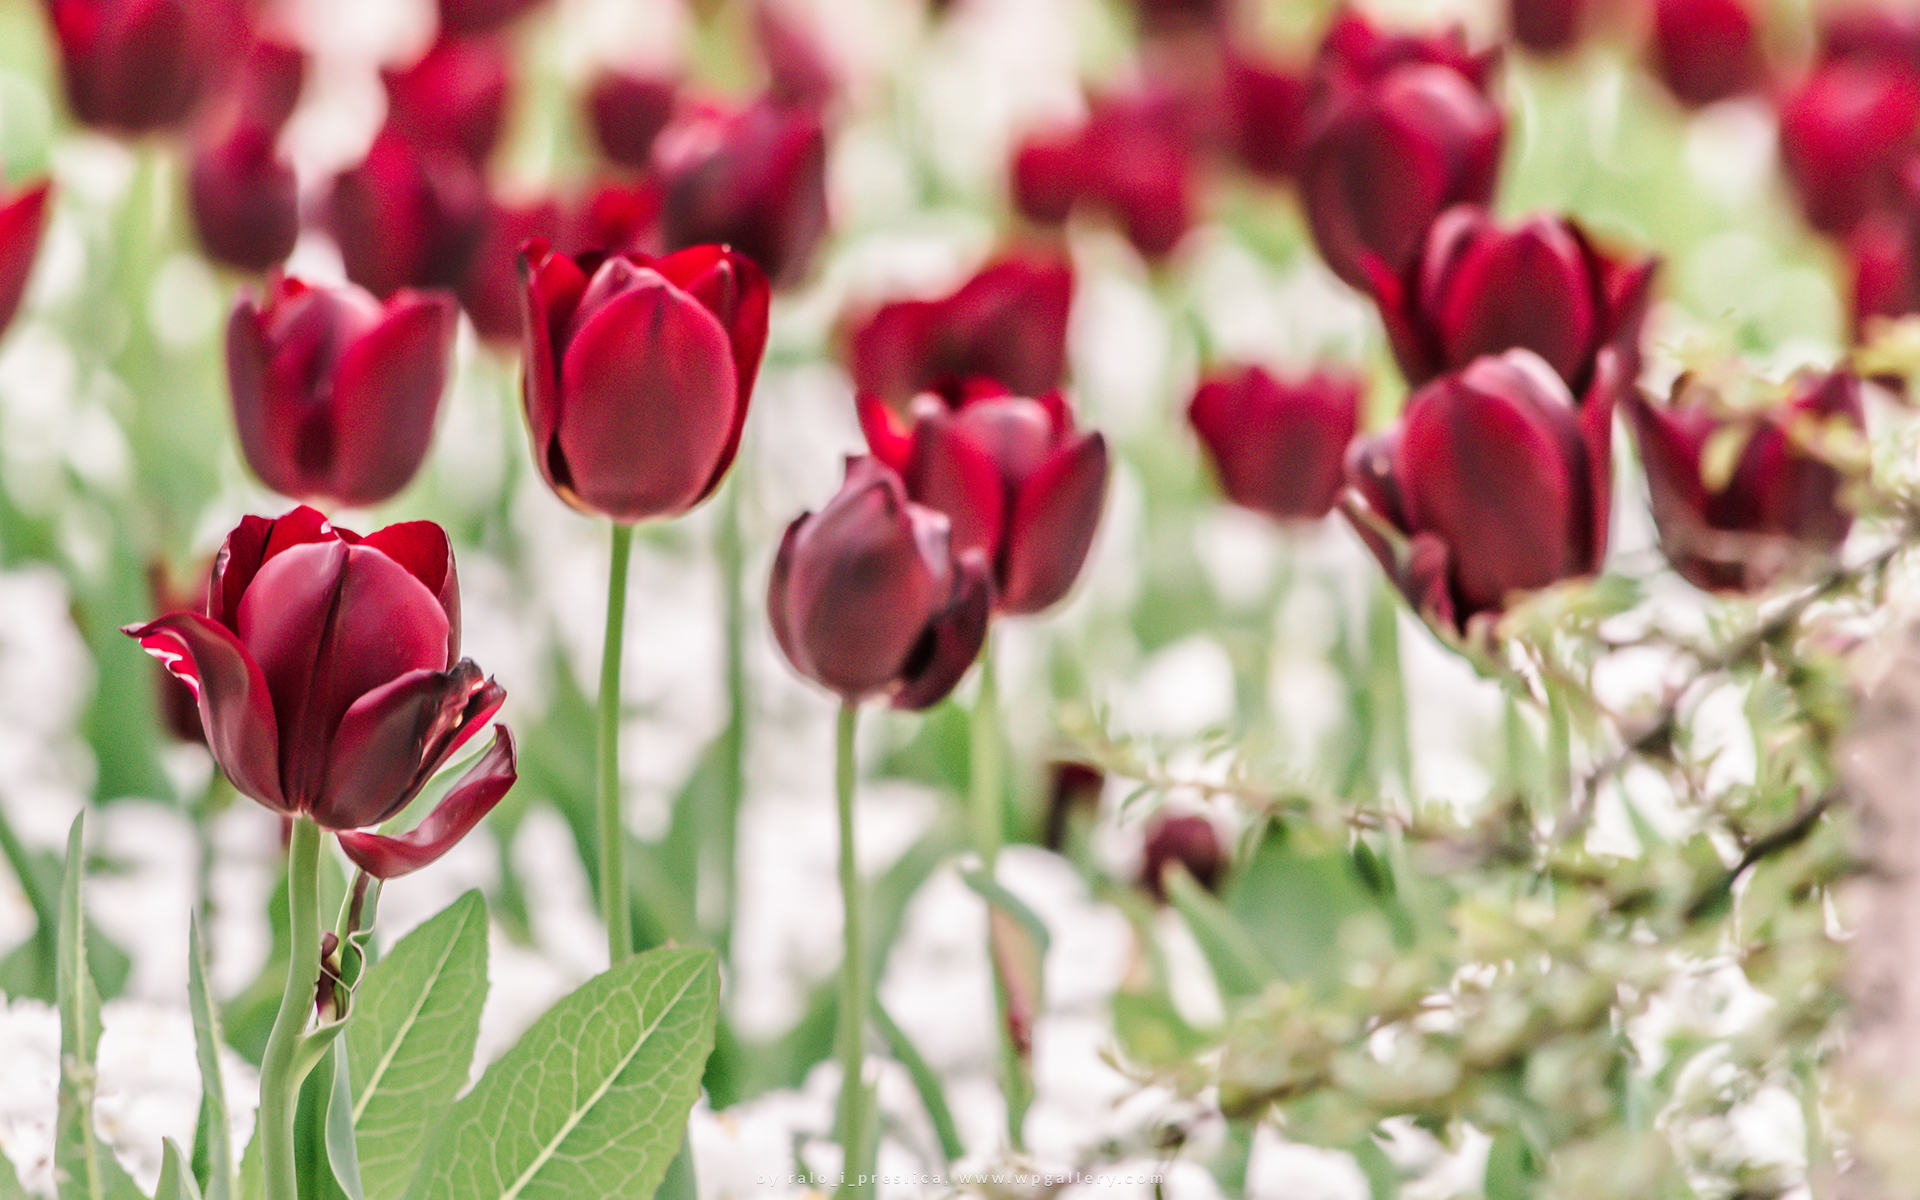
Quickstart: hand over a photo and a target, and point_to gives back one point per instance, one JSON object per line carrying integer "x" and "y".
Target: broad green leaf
{"x": 926, "y": 1081}
{"x": 1298, "y": 905}
{"x": 176, "y": 1181}
{"x": 342, "y": 1154}
{"x": 1240, "y": 968}
{"x": 85, "y": 1168}
{"x": 416, "y": 1017}
{"x": 206, "y": 1045}
{"x": 593, "y": 1100}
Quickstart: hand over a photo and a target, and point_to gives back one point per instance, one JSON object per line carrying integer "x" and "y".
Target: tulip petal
{"x": 1529, "y": 288}
{"x": 479, "y": 790}
{"x": 392, "y": 740}
{"x": 423, "y": 549}
{"x": 952, "y": 640}
{"x": 248, "y": 547}
{"x": 236, "y": 707}
{"x": 551, "y": 287}
{"x": 1277, "y": 448}
{"x": 735, "y": 291}
{"x": 1053, "y": 524}
{"x": 269, "y": 436}
{"x": 386, "y": 393}
{"x": 888, "y": 438}
{"x": 953, "y": 473}
{"x": 1009, "y": 323}
{"x": 21, "y": 221}
{"x": 778, "y": 594}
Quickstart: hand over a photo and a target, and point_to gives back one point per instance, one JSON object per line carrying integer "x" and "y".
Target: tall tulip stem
{"x": 280, "y": 1071}
{"x": 986, "y": 770}
{"x": 613, "y": 841}
{"x": 854, "y": 1118}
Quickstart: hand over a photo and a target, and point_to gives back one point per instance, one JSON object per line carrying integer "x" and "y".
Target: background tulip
{"x": 1846, "y": 130}
{"x": 638, "y": 374}
{"x": 335, "y": 395}
{"x": 627, "y": 113}
{"x": 1014, "y": 476}
{"x": 1187, "y": 839}
{"x": 1355, "y": 53}
{"x": 755, "y": 180}
{"x": 1278, "y": 448}
{"x": 1545, "y": 26}
{"x": 407, "y": 216}
{"x": 330, "y": 684}
{"x": 137, "y": 66}
{"x": 490, "y": 290}
{"x": 1128, "y": 161}
{"x": 455, "y": 96}
{"x": 23, "y": 217}
{"x": 1266, "y": 115}
{"x": 1780, "y": 503}
{"x": 871, "y": 595}
{"x": 1706, "y": 50}
{"x": 243, "y": 199}
{"x": 482, "y": 16}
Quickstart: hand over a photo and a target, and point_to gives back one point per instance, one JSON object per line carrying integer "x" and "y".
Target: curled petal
{"x": 236, "y": 708}
{"x": 777, "y": 599}
{"x": 952, "y": 641}
{"x": 1053, "y": 525}
{"x": 395, "y": 737}
{"x": 482, "y": 787}
{"x": 552, "y": 285}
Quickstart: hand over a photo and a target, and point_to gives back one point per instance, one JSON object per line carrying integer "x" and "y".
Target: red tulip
{"x": 1493, "y": 483}
{"x": 615, "y": 217}
{"x": 1480, "y": 288}
{"x": 755, "y": 180}
{"x": 1545, "y": 26}
{"x": 1880, "y": 32}
{"x": 407, "y": 216}
{"x": 1885, "y": 282}
{"x": 1188, "y": 840}
{"x": 1278, "y": 448}
{"x": 334, "y": 395}
{"x": 627, "y": 113}
{"x": 869, "y": 596}
{"x": 23, "y": 216}
{"x": 1356, "y": 53}
{"x": 330, "y": 683}
{"x": 1777, "y": 506}
{"x": 137, "y": 66}
{"x": 454, "y": 97}
{"x": 490, "y": 291}
{"x": 799, "y": 73}
{"x": 1007, "y": 323}
{"x": 1845, "y": 132}
{"x": 638, "y": 374}
{"x": 1014, "y": 476}
{"x": 1266, "y": 116}
{"x": 1706, "y": 50}
{"x": 1157, "y": 17}
{"x": 243, "y": 199}
{"x": 179, "y": 706}
{"x": 1129, "y": 161}
{"x": 481, "y": 16}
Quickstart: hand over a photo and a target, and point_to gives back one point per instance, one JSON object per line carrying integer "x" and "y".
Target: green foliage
{"x": 176, "y": 1181}
{"x": 218, "y": 1142}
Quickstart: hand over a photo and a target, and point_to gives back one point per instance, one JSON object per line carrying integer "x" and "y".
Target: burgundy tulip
{"x": 1266, "y": 115}
{"x": 869, "y": 596}
{"x": 1189, "y": 840}
{"x": 1886, "y": 283}
{"x": 179, "y": 707}
{"x": 1278, "y": 448}
{"x": 1161, "y": 17}
{"x": 615, "y": 217}
{"x": 407, "y": 216}
{"x": 455, "y": 96}
{"x": 1384, "y": 160}
{"x": 490, "y": 291}
{"x": 1072, "y": 787}
{"x": 1706, "y": 50}
{"x": 137, "y": 66}
{"x": 330, "y": 681}
{"x": 1017, "y": 480}
{"x": 799, "y": 73}
{"x": 627, "y": 113}
{"x": 1494, "y": 482}
{"x": 1883, "y": 32}
{"x": 1545, "y": 26}
{"x": 1129, "y": 161}
{"x": 482, "y": 16}
{"x": 243, "y": 199}
{"x": 638, "y": 374}
{"x": 1845, "y": 132}
{"x": 333, "y": 394}
{"x": 1479, "y": 288}
{"x": 1007, "y": 323}
{"x": 1355, "y": 53}
{"x": 755, "y": 180}
{"x": 23, "y": 216}
{"x": 1778, "y": 506}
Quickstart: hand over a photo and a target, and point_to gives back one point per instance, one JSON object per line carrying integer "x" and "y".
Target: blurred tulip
{"x": 799, "y": 73}
{"x": 407, "y": 216}
{"x": 490, "y": 290}
{"x": 1736, "y": 524}
{"x": 1845, "y": 132}
{"x": 1266, "y": 115}
{"x": 1480, "y": 288}
{"x": 1071, "y": 787}
{"x": 455, "y": 97}
{"x": 638, "y": 371}
{"x": 1355, "y": 53}
{"x": 1130, "y": 161}
{"x": 1188, "y": 840}
{"x": 265, "y": 86}
{"x": 1014, "y": 476}
{"x": 869, "y": 596}
{"x": 138, "y": 66}
{"x": 1277, "y": 448}
{"x": 330, "y": 681}
{"x": 178, "y": 705}
{"x": 243, "y": 199}
{"x": 1545, "y": 26}
{"x": 1007, "y": 323}
{"x": 615, "y": 217}
{"x": 1494, "y": 482}
{"x": 481, "y": 16}
{"x": 1884, "y": 32}
{"x": 1886, "y": 283}
{"x": 23, "y": 217}
{"x": 1706, "y": 50}
{"x": 755, "y": 180}
{"x": 334, "y": 396}
{"x": 1157, "y": 17}
{"x": 627, "y": 113}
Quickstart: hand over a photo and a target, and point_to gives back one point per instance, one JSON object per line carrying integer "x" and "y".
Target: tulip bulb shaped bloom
{"x": 328, "y": 672}
{"x": 638, "y": 374}
{"x": 1278, "y": 448}
{"x": 870, "y": 595}
{"x": 335, "y": 394}
{"x": 23, "y": 215}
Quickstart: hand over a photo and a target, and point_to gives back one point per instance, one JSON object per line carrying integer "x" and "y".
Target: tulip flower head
{"x": 1545, "y": 26}
{"x": 23, "y": 217}
{"x": 638, "y": 374}
{"x": 755, "y": 180}
{"x": 243, "y": 199}
{"x": 871, "y": 595}
{"x": 1018, "y": 481}
{"x": 1187, "y": 839}
{"x": 454, "y": 97}
{"x": 409, "y": 215}
{"x": 627, "y": 113}
{"x": 335, "y": 394}
{"x": 328, "y": 672}
{"x": 1129, "y": 161}
{"x": 139, "y": 66}
{"x": 1278, "y": 448}
{"x": 1706, "y": 50}
{"x": 1846, "y": 131}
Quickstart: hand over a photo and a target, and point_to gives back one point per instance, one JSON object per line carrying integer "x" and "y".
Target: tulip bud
{"x": 138, "y": 66}
{"x": 1129, "y": 161}
{"x": 1008, "y": 323}
{"x": 755, "y": 180}
{"x": 1478, "y": 288}
{"x": 1545, "y": 26}
{"x": 1017, "y": 480}
{"x": 481, "y": 16}
{"x": 1706, "y": 50}
{"x": 407, "y": 216}
{"x": 23, "y": 217}
{"x": 1166, "y": 17}
{"x": 1189, "y": 840}
{"x": 243, "y": 199}
{"x": 1885, "y": 281}
{"x": 1734, "y": 523}
{"x": 334, "y": 396}
{"x": 330, "y": 684}
{"x": 616, "y": 218}
{"x": 454, "y": 97}
{"x": 627, "y": 113}
{"x": 1278, "y": 448}
{"x": 870, "y": 596}
{"x": 1845, "y": 132}
{"x": 1493, "y": 483}
{"x": 1878, "y": 32}
{"x": 638, "y": 373}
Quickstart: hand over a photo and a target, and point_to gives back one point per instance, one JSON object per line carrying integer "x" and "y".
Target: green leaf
{"x": 1240, "y": 968}
{"x": 416, "y": 1018}
{"x": 594, "y": 1099}
{"x": 312, "y": 1162}
{"x": 10, "y": 1185}
{"x": 342, "y": 1154}
{"x": 176, "y": 1181}
{"x": 926, "y": 1081}
{"x": 253, "y": 1172}
{"x": 31, "y": 968}
{"x": 1297, "y": 906}
{"x": 206, "y": 1045}
{"x": 85, "y": 1168}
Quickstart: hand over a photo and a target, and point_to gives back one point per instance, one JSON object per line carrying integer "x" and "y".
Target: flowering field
{"x": 1190, "y": 598}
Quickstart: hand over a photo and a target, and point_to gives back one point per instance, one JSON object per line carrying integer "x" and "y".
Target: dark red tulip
{"x": 23, "y": 216}
{"x": 265, "y": 86}
{"x": 799, "y": 73}
{"x": 627, "y": 113}
{"x": 1384, "y": 160}
{"x": 638, "y": 374}
{"x": 1007, "y": 323}
{"x": 330, "y": 680}
{"x": 1845, "y": 132}
{"x": 407, "y": 216}
{"x": 1019, "y": 482}
{"x": 490, "y": 292}
{"x": 1356, "y": 53}
{"x": 1266, "y": 115}
{"x": 455, "y": 96}
{"x": 615, "y": 217}
{"x": 869, "y": 596}
{"x": 137, "y": 66}
{"x": 755, "y": 180}
{"x": 1886, "y": 276}
{"x": 243, "y": 199}
{"x": 1278, "y": 448}
{"x": 1779, "y": 503}
{"x": 1493, "y": 483}
{"x": 1162, "y": 17}
{"x": 1188, "y": 840}
{"x": 481, "y": 16}
{"x": 179, "y": 707}
{"x": 1129, "y": 161}
{"x": 1479, "y": 287}
{"x": 1071, "y": 787}
{"x": 1883, "y": 32}
{"x": 1545, "y": 26}
{"x": 1706, "y": 50}
{"x": 334, "y": 395}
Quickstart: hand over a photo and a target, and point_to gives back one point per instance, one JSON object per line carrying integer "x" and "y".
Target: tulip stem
{"x": 280, "y": 1072}
{"x": 613, "y": 841}
{"x": 854, "y": 1118}
{"x": 986, "y": 770}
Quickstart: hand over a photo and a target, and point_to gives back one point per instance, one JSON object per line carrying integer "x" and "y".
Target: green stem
{"x": 985, "y": 768}
{"x": 613, "y": 841}
{"x": 723, "y": 847}
{"x": 853, "y": 983}
{"x": 280, "y": 1075}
